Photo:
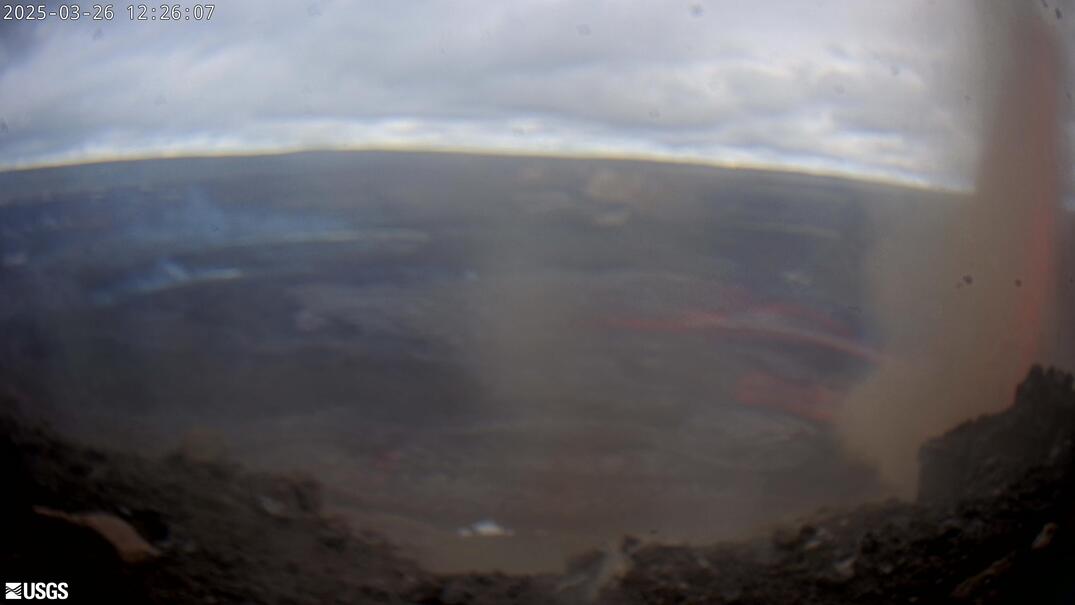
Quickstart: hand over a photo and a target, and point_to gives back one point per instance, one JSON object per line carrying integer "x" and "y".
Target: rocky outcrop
{"x": 993, "y": 524}
{"x": 986, "y": 456}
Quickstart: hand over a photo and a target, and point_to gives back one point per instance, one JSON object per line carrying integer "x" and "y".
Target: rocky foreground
{"x": 992, "y": 524}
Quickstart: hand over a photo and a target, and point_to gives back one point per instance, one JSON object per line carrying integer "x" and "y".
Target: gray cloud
{"x": 870, "y": 88}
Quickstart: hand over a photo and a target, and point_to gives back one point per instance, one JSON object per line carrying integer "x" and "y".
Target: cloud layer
{"x": 880, "y": 89}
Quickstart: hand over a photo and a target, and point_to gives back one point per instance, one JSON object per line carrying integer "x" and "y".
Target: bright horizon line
{"x": 686, "y": 159}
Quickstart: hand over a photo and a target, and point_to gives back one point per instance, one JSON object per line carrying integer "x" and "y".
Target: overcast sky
{"x": 869, "y": 88}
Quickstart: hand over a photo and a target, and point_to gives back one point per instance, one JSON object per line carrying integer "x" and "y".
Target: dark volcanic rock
{"x": 992, "y": 453}
{"x": 993, "y": 524}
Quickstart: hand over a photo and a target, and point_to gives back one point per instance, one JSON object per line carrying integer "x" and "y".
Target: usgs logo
{"x": 35, "y": 590}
